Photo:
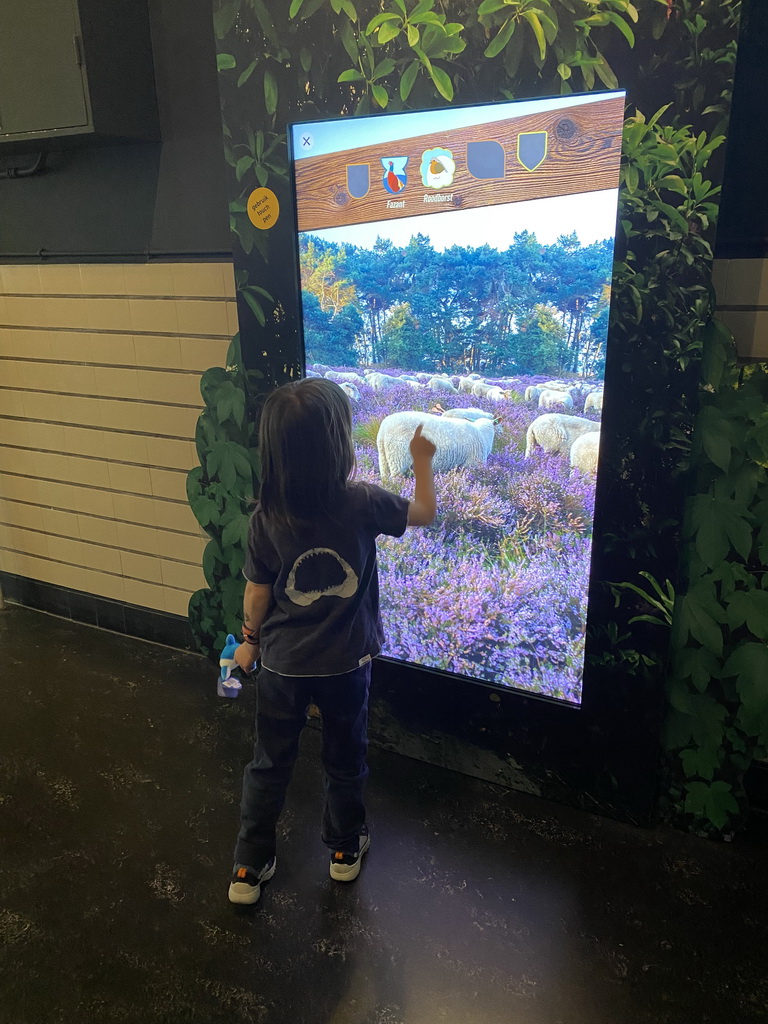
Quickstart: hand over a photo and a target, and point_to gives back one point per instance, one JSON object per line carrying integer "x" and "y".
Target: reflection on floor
{"x": 119, "y": 771}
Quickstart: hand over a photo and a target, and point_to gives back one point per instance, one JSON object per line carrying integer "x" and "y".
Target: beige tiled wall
{"x": 99, "y": 395}
{"x": 742, "y": 303}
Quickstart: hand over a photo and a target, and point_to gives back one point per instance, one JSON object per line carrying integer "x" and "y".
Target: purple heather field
{"x": 496, "y": 588}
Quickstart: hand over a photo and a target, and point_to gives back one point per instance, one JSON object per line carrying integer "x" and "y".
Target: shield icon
{"x": 358, "y": 180}
{"x": 531, "y": 149}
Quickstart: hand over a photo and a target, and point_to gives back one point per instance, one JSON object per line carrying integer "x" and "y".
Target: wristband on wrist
{"x": 250, "y": 636}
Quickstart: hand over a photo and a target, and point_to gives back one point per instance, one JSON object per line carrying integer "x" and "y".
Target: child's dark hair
{"x": 307, "y": 455}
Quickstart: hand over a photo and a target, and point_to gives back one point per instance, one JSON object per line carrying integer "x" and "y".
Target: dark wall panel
{"x": 135, "y": 200}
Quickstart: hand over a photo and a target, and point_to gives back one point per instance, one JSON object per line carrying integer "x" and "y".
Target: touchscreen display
{"x": 455, "y": 271}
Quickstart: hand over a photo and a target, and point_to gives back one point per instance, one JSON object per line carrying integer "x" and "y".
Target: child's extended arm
{"x": 256, "y": 602}
{"x": 423, "y": 508}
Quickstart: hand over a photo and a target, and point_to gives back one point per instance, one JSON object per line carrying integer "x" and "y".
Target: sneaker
{"x": 245, "y": 886}
{"x": 346, "y": 866}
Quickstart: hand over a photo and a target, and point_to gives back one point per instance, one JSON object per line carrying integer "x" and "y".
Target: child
{"x": 311, "y": 613}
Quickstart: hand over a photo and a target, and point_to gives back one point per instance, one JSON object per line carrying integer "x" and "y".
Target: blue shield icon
{"x": 358, "y": 180}
{"x": 531, "y": 149}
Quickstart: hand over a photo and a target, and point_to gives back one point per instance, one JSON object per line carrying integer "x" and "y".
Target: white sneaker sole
{"x": 241, "y": 893}
{"x": 349, "y": 872}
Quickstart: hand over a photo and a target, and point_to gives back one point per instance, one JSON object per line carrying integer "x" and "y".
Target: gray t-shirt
{"x": 324, "y": 619}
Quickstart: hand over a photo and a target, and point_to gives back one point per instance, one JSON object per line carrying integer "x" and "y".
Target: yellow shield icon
{"x": 532, "y": 149}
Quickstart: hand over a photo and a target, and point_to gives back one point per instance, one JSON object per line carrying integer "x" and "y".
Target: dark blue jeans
{"x": 281, "y": 712}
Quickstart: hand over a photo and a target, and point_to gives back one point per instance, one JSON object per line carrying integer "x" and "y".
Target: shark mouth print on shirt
{"x": 321, "y": 572}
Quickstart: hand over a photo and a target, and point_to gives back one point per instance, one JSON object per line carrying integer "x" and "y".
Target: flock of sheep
{"x": 465, "y": 436}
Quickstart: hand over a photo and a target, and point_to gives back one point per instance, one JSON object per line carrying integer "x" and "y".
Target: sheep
{"x": 584, "y": 453}
{"x": 320, "y": 368}
{"x": 468, "y": 414}
{"x": 496, "y": 394}
{"x": 532, "y": 392}
{"x": 594, "y": 401}
{"x": 555, "y": 400}
{"x": 350, "y": 390}
{"x": 383, "y": 381}
{"x": 465, "y": 385}
{"x": 458, "y": 442}
{"x": 350, "y": 378}
{"x": 441, "y": 384}
{"x": 556, "y": 432}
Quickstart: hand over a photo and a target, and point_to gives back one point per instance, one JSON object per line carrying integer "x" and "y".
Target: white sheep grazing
{"x": 594, "y": 401}
{"x": 320, "y": 368}
{"x": 556, "y": 432}
{"x": 339, "y": 377}
{"x": 468, "y": 414}
{"x": 465, "y": 385}
{"x": 584, "y": 453}
{"x": 495, "y": 394}
{"x": 458, "y": 442}
{"x": 383, "y": 381}
{"x": 441, "y": 384}
{"x": 350, "y": 390}
{"x": 532, "y": 393}
{"x": 555, "y": 400}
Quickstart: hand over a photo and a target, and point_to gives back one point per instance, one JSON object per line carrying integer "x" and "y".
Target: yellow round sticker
{"x": 263, "y": 208}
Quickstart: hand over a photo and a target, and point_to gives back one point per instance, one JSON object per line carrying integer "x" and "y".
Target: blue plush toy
{"x": 228, "y": 685}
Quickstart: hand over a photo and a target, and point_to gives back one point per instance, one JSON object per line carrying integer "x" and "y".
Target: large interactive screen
{"x": 455, "y": 271}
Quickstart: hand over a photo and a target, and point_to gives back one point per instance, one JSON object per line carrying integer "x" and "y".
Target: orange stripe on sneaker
{"x": 242, "y": 872}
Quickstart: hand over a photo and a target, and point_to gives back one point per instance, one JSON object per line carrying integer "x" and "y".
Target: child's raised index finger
{"x": 417, "y": 431}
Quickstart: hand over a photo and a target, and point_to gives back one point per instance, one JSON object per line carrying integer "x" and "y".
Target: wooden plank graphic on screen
{"x": 557, "y": 152}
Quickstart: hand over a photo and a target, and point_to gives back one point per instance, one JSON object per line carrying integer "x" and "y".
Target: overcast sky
{"x": 592, "y": 215}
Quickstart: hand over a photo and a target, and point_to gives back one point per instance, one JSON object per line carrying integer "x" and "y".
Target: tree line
{"x": 531, "y": 308}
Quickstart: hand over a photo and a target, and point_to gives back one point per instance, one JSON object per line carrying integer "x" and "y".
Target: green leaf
{"x": 749, "y": 607}
{"x": 533, "y": 20}
{"x": 701, "y": 761}
{"x": 270, "y": 92}
{"x": 490, "y": 6}
{"x": 501, "y": 39}
{"x": 413, "y": 35}
{"x": 749, "y": 663}
{"x": 379, "y": 20}
{"x": 442, "y": 82}
{"x": 224, "y": 18}
{"x": 623, "y": 27}
{"x": 388, "y": 31}
{"x": 295, "y": 7}
{"x": 701, "y": 625}
{"x": 243, "y": 164}
{"x": 225, "y": 61}
{"x": 564, "y": 71}
{"x": 351, "y": 75}
{"x": 254, "y": 305}
{"x": 245, "y": 75}
{"x": 714, "y": 439}
{"x": 380, "y": 94}
{"x": 213, "y": 560}
{"x": 407, "y": 80}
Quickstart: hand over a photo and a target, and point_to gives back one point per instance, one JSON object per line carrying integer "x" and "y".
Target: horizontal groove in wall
{"x": 123, "y": 332}
{"x": 104, "y": 519}
{"x": 100, "y": 490}
{"x": 104, "y": 398}
{"x": 125, "y": 295}
{"x": 93, "y": 458}
{"x": 176, "y": 370}
{"x": 110, "y": 575}
{"x": 100, "y": 544}
{"x": 741, "y": 309}
{"x": 106, "y": 430}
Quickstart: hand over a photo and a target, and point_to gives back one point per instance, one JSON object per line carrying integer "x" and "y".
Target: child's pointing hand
{"x": 421, "y": 446}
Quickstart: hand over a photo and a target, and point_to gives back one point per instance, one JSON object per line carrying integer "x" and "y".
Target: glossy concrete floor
{"x": 119, "y": 771}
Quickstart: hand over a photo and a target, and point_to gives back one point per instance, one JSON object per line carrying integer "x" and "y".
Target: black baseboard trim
{"x": 129, "y": 619}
